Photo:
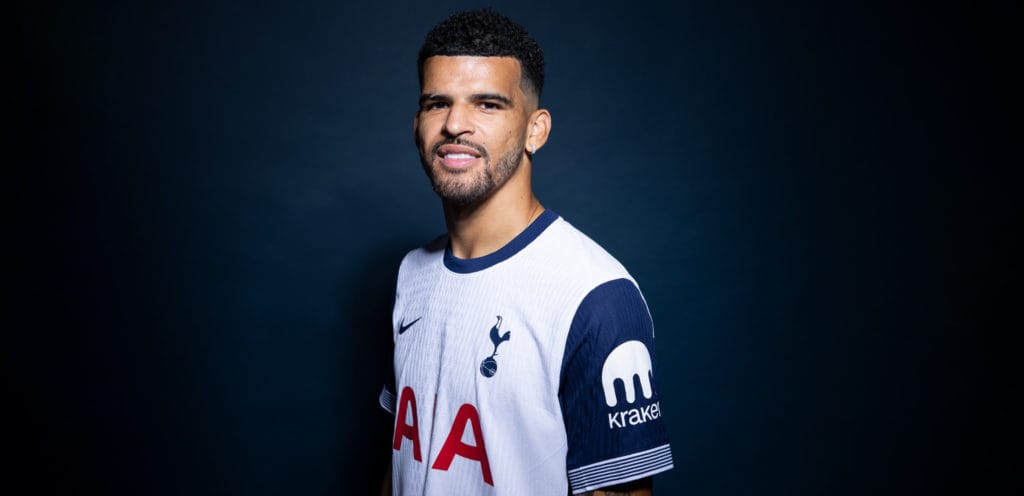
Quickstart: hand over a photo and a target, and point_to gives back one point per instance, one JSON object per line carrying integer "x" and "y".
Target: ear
{"x": 537, "y": 130}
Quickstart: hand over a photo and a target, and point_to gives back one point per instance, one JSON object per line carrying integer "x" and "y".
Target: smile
{"x": 457, "y": 156}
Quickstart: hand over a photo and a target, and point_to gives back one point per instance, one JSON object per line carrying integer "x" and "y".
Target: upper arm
{"x": 608, "y": 392}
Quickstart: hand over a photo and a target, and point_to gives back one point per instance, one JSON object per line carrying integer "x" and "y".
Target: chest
{"x": 479, "y": 342}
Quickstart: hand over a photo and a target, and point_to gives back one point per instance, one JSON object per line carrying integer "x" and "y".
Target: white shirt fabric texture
{"x": 526, "y": 371}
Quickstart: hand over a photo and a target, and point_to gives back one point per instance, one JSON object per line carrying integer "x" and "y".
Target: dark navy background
{"x": 209, "y": 200}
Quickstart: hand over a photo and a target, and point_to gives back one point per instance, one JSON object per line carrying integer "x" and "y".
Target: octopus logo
{"x": 628, "y": 360}
{"x": 489, "y": 366}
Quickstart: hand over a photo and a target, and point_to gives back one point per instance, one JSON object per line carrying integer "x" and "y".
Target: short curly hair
{"x": 486, "y": 33}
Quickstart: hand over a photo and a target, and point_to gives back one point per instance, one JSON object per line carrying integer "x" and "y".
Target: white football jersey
{"x": 527, "y": 371}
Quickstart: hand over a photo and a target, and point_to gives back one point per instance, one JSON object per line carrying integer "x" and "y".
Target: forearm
{"x": 642, "y": 487}
{"x": 385, "y": 487}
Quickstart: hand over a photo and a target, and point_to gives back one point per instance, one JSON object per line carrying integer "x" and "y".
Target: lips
{"x": 458, "y": 156}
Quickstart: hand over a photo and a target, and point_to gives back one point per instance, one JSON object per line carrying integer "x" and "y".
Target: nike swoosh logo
{"x": 405, "y": 327}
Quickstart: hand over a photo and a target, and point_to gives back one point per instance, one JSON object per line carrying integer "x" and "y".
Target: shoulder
{"x": 578, "y": 256}
{"x": 612, "y": 301}
{"x": 424, "y": 256}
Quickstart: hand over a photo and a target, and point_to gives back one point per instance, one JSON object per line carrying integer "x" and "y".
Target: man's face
{"x": 471, "y": 124}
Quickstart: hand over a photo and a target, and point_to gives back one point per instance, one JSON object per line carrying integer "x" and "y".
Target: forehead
{"x": 453, "y": 74}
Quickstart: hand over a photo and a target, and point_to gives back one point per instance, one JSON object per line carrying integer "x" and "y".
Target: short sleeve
{"x": 387, "y": 393}
{"x": 608, "y": 391}
{"x": 387, "y": 400}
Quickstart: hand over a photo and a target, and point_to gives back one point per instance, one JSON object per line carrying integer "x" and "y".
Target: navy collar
{"x": 470, "y": 265}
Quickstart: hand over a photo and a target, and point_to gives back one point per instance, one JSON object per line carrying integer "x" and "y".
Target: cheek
{"x": 506, "y": 136}
{"x": 514, "y": 136}
{"x": 430, "y": 120}
{"x": 424, "y": 130}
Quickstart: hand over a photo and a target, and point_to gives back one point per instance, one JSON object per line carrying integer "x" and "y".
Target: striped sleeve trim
{"x": 622, "y": 469}
{"x": 387, "y": 400}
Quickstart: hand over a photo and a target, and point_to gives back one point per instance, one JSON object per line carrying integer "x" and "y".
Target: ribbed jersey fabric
{"x": 526, "y": 371}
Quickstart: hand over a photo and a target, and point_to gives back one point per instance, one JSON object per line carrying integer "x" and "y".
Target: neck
{"x": 483, "y": 228}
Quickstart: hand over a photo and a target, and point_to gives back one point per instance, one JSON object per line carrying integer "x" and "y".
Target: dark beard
{"x": 476, "y": 191}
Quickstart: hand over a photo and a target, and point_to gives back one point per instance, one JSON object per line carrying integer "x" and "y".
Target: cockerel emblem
{"x": 489, "y": 366}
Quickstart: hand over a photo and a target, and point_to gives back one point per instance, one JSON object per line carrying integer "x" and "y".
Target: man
{"x": 523, "y": 351}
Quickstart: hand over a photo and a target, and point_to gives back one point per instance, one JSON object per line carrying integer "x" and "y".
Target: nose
{"x": 458, "y": 121}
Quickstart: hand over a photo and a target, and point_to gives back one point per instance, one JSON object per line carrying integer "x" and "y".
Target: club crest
{"x": 489, "y": 366}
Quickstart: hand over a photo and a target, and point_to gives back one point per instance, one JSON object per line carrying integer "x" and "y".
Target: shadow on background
{"x": 366, "y": 354}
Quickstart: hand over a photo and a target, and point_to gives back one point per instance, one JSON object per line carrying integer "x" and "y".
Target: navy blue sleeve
{"x": 608, "y": 391}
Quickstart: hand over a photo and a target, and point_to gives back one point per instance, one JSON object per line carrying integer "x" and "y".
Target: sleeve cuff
{"x": 620, "y": 470}
{"x": 387, "y": 400}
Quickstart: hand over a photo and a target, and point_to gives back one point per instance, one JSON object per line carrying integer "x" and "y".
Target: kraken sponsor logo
{"x": 626, "y": 361}
{"x": 634, "y": 416}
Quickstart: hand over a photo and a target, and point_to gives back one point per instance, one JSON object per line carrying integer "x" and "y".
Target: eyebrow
{"x": 475, "y": 97}
{"x": 492, "y": 96}
{"x": 432, "y": 96}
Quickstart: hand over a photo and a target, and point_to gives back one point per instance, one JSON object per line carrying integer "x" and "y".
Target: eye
{"x": 434, "y": 105}
{"x": 489, "y": 105}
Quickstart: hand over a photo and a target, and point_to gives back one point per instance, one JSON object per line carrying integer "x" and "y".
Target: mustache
{"x": 460, "y": 142}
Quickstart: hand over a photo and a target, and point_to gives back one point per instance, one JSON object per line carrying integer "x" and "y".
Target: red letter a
{"x": 403, "y": 430}
{"x": 454, "y": 445}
